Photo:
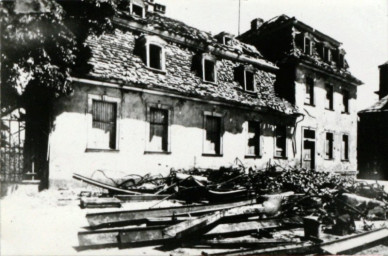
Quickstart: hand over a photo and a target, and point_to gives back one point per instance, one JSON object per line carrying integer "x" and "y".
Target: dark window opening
{"x": 227, "y": 40}
{"x": 158, "y": 129}
{"x": 155, "y": 57}
{"x": 341, "y": 61}
{"x": 345, "y": 147}
{"x": 249, "y": 81}
{"x": 104, "y": 124}
{"x": 309, "y": 97}
{"x": 213, "y": 135}
{"x": 329, "y": 145}
{"x": 253, "y": 138}
{"x": 280, "y": 141}
{"x": 209, "y": 70}
{"x": 329, "y": 97}
{"x": 345, "y": 102}
{"x": 307, "y": 46}
{"x": 309, "y": 134}
{"x": 137, "y": 10}
{"x": 326, "y": 54}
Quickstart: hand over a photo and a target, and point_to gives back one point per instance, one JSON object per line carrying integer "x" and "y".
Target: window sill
{"x": 209, "y": 82}
{"x": 160, "y": 71}
{"x": 329, "y": 159}
{"x": 281, "y": 157}
{"x": 252, "y": 156}
{"x": 101, "y": 150}
{"x": 329, "y": 109}
{"x": 344, "y": 160}
{"x": 346, "y": 113}
{"x": 250, "y": 92}
{"x": 212, "y": 155}
{"x": 311, "y": 105}
{"x": 157, "y": 152}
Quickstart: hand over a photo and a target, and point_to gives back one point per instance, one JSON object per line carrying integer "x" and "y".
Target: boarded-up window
{"x": 103, "y": 133}
{"x": 249, "y": 81}
{"x": 158, "y": 140}
{"x": 209, "y": 70}
{"x": 345, "y": 101}
{"x": 213, "y": 135}
{"x": 253, "y": 143}
{"x": 345, "y": 147}
{"x": 280, "y": 141}
{"x": 329, "y": 97}
{"x": 329, "y": 145}
{"x": 155, "y": 57}
{"x": 309, "y": 96}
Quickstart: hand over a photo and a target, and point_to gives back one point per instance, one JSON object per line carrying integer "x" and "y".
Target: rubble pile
{"x": 236, "y": 207}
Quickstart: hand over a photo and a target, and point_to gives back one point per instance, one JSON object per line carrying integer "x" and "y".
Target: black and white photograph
{"x": 194, "y": 127}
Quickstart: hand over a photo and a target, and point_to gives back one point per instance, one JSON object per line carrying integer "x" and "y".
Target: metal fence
{"x": 12, "y": 147}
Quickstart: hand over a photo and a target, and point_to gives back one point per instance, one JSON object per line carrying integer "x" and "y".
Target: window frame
{"x": 108, "y": 99}
{"x": 249, "y": 70}
{"x": 331, "y": 100}
{"x": 345, "y": 154}
{"x": 208, "y": 57}
{"x": 285, "y": 150}
{"x": 346, "y": 107}
{"x": 170, "y": 113}
{"x": 311, "y": 92}
{"x": 258, "y": 152}
{"x": 142, "y": 7}
{"x": 146, "y": 41}
{"x": 332, "y": 144}
{"x": 305, "y": 45}
{"x": 204, "y": 150}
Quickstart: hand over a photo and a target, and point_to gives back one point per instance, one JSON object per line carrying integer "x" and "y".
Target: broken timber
{"x": 140, "y": 198}
{"x": 99, "y": 202}
{"x": 102, "y": 219}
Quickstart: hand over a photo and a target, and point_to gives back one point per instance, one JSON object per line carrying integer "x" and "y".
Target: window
{"x": 137, "y": 10}
{"x": 209, "y": 70}
{"x": 249, "y": 81}
{"x": 329, "y": 145}
{"x": 212, "y": 144}
{"x": 307, "y": 45}
{"x": 158, "y": 138}
{"x": 103, "y": 132}
{"x": 227, "y": 40}
{"x": 253, "y": 143}
{"x": 326, "y": 54}
{"x": 345, "y": 147}
{"x": 309, "y": 96}
{"x": 345, "y": 101}
{"x": 155, "y": 56}
{"x": 329, "y": 97}
{"x": 341, "y": 60}
{"x": 280, "y": 141}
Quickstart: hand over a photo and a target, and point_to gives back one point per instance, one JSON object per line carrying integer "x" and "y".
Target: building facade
{"x": 313, "y": 75}
{"x": 373, "y": 134}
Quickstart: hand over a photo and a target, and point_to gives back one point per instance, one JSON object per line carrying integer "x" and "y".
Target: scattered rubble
{"x": 274, "y": 210}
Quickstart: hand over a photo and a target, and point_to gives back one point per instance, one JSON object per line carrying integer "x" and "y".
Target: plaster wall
{"x": 69, "y": 137}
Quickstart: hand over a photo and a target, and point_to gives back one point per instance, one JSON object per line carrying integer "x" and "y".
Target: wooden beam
{"x": 99, "y": 202}
{"x": 140, "y": 198}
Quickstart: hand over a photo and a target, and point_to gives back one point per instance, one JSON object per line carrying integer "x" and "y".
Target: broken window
{"x": 249, "y": 81}
{"x": 345, "y": 101}
{"x": 213, "y": 135}
{"x": 253, "y": 142}
{"x": 155, "y": 57}
{"x": 103, "y": 133}
{"x": 280, "y": 141}
{"x": 309, "y": 96}
{"x": 158, "y": 140}
{"x": 329, "y": 97}
{"x": 137, "y": 10}
{"x": 329, "y": 145}
{"x": 345, "y": 147}
{"x": 209, "y": 70}
{"x": 307, "y": 45}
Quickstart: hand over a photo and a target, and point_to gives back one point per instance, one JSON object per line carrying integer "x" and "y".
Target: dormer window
{"x": 152, "y": 51}
{"x": 137, "y": 10}
{"x": 327, "y": 56}
{"x": 341, "y": 60}
{"x": 209, "y": 69}
{"x": 249, "y": 82}
{"x": 307, "y": 46}
{"x": 227, "y": 40}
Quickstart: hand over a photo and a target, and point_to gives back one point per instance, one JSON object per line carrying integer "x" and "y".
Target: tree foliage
{"x": 43, "y": 43}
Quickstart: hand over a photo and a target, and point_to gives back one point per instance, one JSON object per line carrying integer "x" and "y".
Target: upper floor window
{"x": 327, "y": 55}
{"x": 209, "y": 69}
{"x": 227, "y": 40}
{"x": 280, "y": 141}
{"x": 341, "y": 60}
{"x": 156, "y": 57}
{"x": 309, "y": 96}
{"x": 345, "y": 101}
{"x": 329, "y": 97}
{"x": 307, "y": 45}
{"x": 249, "y": 80}
{"x": 137, "y": 10}
{"x": 329, "y": 144}
{"x": 153, "y": 52}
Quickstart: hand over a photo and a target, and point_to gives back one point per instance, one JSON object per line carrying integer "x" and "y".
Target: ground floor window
{"x": 212, "y": 143}
{"x": 280, "y": 141}
{"x": 104, "y": 124}
{"x": 253, "y": 140}
{"x": 345, "y": 147}
{"x": 158, "y": 136}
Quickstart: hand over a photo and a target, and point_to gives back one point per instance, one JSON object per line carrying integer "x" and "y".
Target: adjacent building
{"x": 373, "y": 134}
{"x": 313, "y": 75}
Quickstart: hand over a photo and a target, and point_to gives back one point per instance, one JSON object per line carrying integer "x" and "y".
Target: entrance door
{"x": 308, "y": 153}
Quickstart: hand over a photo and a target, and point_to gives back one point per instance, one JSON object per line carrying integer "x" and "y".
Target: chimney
{"x": 383, "y": 80}
{"x": 256, "y": 23}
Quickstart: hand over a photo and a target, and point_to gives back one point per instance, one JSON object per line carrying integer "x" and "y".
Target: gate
{"x": 12, "y": 150}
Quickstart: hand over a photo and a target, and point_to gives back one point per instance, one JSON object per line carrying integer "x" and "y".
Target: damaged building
{"x": 165, "y": 95}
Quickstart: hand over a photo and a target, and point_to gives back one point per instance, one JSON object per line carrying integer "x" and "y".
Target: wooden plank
{"x": 99, "y": 202}
{"x": 353, "y": 242}
{"x": 140, "y": 198}
{"x": 113, "y": 218}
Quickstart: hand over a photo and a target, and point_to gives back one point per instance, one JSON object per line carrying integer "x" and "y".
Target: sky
{"x": 361, "y": 25}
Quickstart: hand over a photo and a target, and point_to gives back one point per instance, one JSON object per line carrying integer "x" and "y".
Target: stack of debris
{"x": 267, "y": 211}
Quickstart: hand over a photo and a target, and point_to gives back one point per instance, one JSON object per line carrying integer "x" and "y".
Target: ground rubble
{"x": 236, "y": 210}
